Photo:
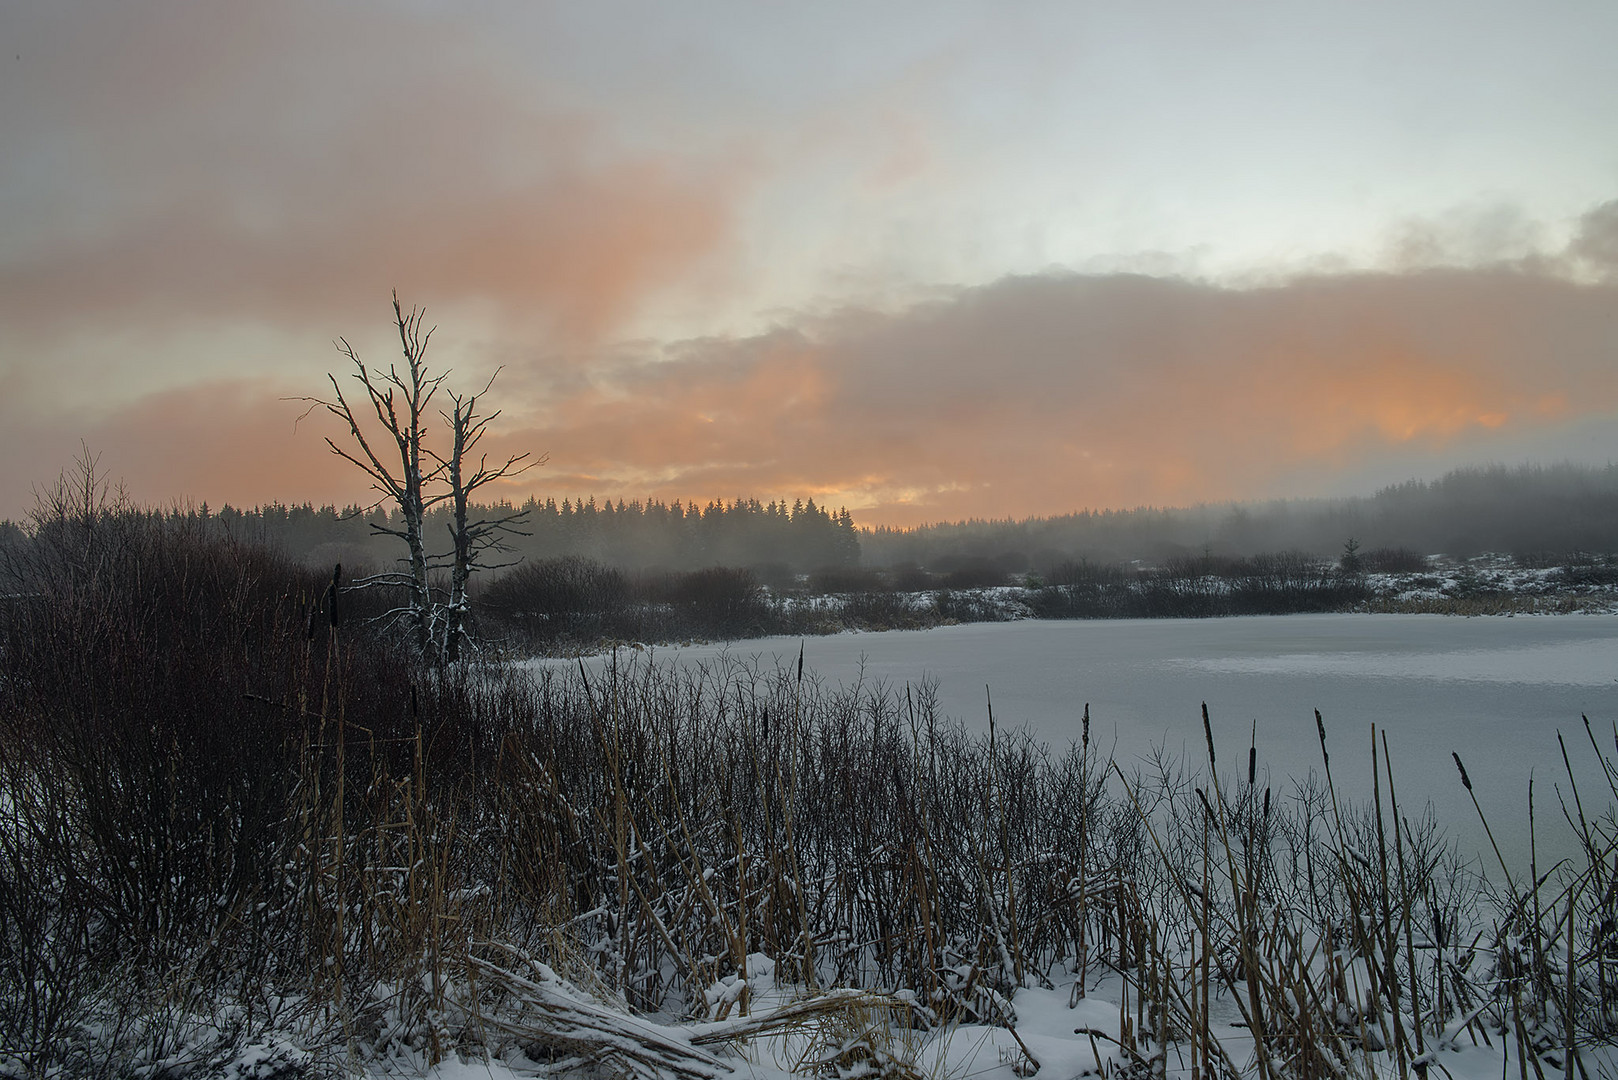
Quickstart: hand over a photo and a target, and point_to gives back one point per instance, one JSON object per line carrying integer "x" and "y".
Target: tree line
{"x": 1528, "y": 510}
{"x": 773, "y": 537}
{"x": 1542, "y": 513}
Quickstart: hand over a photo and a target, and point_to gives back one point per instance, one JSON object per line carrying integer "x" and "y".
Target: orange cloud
{"x": 185, "y": 166}
{"x": 288, "y": 163}
{"x": 1030, "y": 396}
{"x": 214, "y": 442}
{"x": 1041, "y": 395}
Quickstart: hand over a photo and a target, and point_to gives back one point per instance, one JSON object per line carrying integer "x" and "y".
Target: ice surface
{"x": 1494, "y": 689}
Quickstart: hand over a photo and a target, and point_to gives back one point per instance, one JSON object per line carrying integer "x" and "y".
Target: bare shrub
{"x": 1398, "y": 560}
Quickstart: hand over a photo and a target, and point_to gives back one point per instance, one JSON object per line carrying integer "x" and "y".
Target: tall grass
{"x": 236, "y": 824}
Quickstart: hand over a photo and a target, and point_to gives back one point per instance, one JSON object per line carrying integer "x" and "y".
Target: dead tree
{"x": 420, "y": 478}
{"x": 470, "y": 537}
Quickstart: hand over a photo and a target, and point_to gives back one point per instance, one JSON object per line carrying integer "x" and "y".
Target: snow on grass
{"x": 1068, "y": 1037}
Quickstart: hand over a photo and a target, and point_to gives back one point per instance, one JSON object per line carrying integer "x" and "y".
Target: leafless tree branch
{"x": 397, "y": 403}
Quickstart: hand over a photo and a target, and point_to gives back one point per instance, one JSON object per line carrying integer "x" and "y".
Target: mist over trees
{"x": 772, "y": 537}
{"x": 1530, "y": 510}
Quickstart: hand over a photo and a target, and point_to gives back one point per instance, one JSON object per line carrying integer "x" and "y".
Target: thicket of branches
{"x": 581, "y": 603}
{"x": 1200, "y": 586}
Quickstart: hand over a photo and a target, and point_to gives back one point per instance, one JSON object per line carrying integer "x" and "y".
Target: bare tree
{"x": 418, "y": 478}
{"x": 472, "y": 537}
{"x": 80, "y": 495}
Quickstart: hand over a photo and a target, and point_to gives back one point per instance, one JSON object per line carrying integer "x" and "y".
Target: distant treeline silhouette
{"x": 773, "y": 538}
{"x": 1530, "y": 511}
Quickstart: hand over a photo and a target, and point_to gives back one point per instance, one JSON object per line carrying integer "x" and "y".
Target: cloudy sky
{"x": 925, "y": 259}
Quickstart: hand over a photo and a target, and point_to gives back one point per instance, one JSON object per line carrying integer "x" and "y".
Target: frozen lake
{"x": 1494, "y": 689}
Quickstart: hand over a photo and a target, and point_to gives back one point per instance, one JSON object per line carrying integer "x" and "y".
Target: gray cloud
{"x": 1596, "y": 243}
{"x": 1031, "y": 395}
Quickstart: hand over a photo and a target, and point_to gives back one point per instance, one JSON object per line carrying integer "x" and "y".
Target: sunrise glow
{"x": 928, "y": 263}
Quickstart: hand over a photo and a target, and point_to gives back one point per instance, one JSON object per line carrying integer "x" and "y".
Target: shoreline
{"x": 1497, "y": 589}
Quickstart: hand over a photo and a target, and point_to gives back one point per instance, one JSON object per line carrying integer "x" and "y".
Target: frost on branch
{"x": 389, "y": 442}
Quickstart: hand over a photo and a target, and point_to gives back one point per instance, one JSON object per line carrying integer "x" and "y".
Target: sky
{"x": 926, "y": 260}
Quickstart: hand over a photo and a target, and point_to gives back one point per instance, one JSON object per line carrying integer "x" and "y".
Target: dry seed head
{"x": 1466, "y": 781}
{"x": 336, "y": 586}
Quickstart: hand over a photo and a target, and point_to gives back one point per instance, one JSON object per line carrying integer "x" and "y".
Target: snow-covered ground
{"x": 1485, "y": 584}
{"x": 1500, "y": 575}
{"x": 1057, "y": 1033}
